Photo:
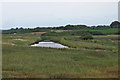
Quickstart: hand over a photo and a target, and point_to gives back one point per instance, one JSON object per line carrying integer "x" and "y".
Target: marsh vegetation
{"x": 94, "y": 57}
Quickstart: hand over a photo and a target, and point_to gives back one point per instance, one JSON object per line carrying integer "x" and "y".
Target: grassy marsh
{"x": 84, "y": 59}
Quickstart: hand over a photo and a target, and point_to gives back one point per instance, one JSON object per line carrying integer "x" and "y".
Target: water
{"x": 49, "y": 44}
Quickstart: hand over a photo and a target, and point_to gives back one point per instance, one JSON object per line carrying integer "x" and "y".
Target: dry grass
{"x": 20, "y": 39}
{"x": 7, "y": 43}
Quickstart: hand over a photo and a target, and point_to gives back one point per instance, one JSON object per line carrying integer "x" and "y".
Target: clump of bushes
{"x": 86, "y": 37}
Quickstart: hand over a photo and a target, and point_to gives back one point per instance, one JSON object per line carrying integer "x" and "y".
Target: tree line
{"x": 114, "y": 24}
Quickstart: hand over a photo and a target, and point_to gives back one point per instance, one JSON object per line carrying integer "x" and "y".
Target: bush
{"x": 86, "y": 37}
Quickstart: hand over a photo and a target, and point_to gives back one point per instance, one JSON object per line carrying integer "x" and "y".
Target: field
{"x": 97, "y": 58}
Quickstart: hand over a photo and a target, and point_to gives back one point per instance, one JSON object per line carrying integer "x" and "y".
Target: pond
{"x": 49, "y": 44}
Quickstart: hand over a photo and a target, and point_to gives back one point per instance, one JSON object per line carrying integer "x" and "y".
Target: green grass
{"x": 80, "y": 32}
{"x": 84, "y": 59}
{"x": 107, "y": 31}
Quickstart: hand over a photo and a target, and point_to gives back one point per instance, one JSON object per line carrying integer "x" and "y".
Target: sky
{"x": 54, "y": 14}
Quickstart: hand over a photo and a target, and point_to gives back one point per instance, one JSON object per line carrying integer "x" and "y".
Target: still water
{"x": 49, "y": 44}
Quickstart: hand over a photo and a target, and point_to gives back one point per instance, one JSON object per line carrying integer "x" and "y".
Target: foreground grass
{"x": 85, "y": 59}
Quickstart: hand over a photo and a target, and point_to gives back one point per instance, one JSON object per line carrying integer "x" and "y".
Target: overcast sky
{"x": 33, "y": 14}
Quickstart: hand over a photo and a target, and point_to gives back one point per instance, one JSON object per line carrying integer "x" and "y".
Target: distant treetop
{"x": 115, "y": 24}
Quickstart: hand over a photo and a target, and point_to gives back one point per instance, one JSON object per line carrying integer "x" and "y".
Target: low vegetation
{"x": 84, "y": 58}
{"x": 92, "y": 53}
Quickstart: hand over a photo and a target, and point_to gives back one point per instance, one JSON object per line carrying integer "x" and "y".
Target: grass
{"x": 84, "y": 59}
{"x": 107, "y": 31}
{"x": 80, "y": 32}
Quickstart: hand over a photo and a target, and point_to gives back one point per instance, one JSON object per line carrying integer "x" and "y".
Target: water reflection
{"x": 49, "y": 44}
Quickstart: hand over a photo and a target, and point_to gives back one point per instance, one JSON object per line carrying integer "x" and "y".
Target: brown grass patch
{"x": 20, "y": 39}
{"x": 7, "y": 43}
{"x": 38, "y": 32}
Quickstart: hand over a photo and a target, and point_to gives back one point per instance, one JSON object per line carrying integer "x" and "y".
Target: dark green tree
{"x": 115, "y": 24}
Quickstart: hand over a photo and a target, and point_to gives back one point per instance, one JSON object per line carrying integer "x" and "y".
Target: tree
{"x": 115, "y": 24}
{"x": 16, "y": 28}
{"x": 12, "y": 29}
{"x": 21, "y": 28}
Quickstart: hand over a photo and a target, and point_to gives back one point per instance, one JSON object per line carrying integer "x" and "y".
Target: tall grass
{"x": 84, "y": 59}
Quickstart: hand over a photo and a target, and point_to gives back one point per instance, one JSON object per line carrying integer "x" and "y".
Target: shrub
{"x": 86, "y": 37}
